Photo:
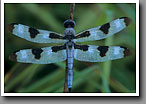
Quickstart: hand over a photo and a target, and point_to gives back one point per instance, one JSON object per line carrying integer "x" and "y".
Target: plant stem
{"x": 107, "y": 65}
{"x": 72, "y": 7}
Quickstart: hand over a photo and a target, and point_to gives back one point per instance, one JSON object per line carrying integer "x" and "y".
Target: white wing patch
{"x": 117, "y": 50}
{"x": 91, "y": 50}
{"x": 23, "y": 54}
{"x": 45, "y": 36}
{"x": 19, "y": 29}
{"x": 117, "y": 23}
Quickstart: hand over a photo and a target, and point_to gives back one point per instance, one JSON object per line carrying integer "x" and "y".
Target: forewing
{"x": 91, "y": 53}
{"x": 35, "y": 35}
{"x": 103, "y": 31}
{"x": 45, "y": 55}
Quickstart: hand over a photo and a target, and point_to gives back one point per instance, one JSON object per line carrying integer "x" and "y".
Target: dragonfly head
{"x": 69, "y": 23}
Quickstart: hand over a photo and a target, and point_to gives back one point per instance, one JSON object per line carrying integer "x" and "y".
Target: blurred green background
{"x": 106, "y": 77}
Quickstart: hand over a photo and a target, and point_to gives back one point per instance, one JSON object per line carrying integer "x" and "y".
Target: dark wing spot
{"x": 33, "y": 32}
{"x": 13, "y": 56}
{"x": 105, "y": 28}
{"x": 11, "y": 26}
{"x": 81, "y": 47}
{"x": 103, "y": 50}
{"x": 58, "y": 48}
{"x": 82, "y": 35}
{"x": 55, "y": 36}
{"x": 37, "y": 53}
{"x": 126, "y": 51}
{"x": 126, "y": 20}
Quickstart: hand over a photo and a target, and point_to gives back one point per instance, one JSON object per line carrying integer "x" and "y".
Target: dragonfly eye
{"x": 69, "y": 23}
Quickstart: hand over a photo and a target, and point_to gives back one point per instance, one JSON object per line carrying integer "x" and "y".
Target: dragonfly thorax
{"x": 69, "y": 33}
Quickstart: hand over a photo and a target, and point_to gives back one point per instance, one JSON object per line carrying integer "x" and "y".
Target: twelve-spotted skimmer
{"x": 69, "y": 49}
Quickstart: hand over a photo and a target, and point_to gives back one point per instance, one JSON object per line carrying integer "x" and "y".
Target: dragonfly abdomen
{"x": 70, "y": 66}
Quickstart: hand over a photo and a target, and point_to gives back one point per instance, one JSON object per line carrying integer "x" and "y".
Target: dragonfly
{"x": 69, "y": 49}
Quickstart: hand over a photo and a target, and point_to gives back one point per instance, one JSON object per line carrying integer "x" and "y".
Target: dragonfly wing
{"x": 35, "y": 35}
{"x": 91, "y": 53}
{"x": 103, "y": 31}
{"x": 41, "y": 55}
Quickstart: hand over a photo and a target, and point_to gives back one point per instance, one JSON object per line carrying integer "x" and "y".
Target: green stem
{"x": 107, "y": 65}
